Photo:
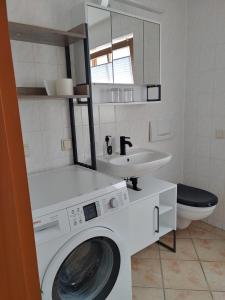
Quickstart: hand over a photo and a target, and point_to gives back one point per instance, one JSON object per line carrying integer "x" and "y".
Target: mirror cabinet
{"x": 123, "y": 49}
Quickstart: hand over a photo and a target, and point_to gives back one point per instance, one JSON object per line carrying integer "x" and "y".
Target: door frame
{"x": 18, "y": 262}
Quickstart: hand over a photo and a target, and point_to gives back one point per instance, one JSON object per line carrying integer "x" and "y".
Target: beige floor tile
{"x": 210, "y": 250}
{"x": 147, "y": 294}
{"x": 202, "y": 225}
{"x": 201, "y": 233}
{"x": 215, "y": 274}
{"x": 218, "y": 296}
{"x": 185, "y": 275}
{"x": 187, "y": 295}
{"x": 183, "y": 234}
{"x": 185, "y": 251}
{"x": 146, "y": 273}
{"x": 219, "y": 232}
{"x": 149, "y": 252}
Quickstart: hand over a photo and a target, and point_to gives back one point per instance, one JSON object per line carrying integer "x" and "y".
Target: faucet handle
{"x": 123, "y": 137}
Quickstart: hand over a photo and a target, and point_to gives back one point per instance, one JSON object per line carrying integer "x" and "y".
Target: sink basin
{"x": 136, "y": 163}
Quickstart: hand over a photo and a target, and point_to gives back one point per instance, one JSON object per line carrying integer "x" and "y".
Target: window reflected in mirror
{"x": 121, "y": 55}
{"x": 123, "y": 59}
{"x": 100, "y": 43}
{"x": 101, "y": 64}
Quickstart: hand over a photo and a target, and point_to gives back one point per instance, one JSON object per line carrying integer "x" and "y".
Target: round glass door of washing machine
{"x": 89, "y": 272}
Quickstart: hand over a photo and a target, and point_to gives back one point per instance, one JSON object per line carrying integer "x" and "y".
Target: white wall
{"x": 204, "y": 155}
{"x": 45, "y": 123}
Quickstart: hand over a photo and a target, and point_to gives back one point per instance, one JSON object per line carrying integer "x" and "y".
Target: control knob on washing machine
{"x": 113, "y": 203}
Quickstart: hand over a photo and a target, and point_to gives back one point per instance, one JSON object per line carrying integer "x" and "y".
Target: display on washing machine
{"x": 90, "y": 211}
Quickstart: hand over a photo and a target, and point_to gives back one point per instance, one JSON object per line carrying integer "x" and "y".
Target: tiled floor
{"x": 195, "y": 272}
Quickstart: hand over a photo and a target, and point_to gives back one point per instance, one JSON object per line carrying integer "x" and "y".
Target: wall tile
{"x": 61, "y": 71}
{"x": 80, "y": 143}
{"x": 45, "y": 72}
{"x": 51, "y": 115}
{"x": 78, "y": 115}
{"x": 207, "y": 58}
{"x": 218, "y": 149}
{"x": 25, "y": 74}
{"x": 203, "y": 147}
{"x": 84, "y": 112}
{"x": 190, "y": 163}
{"x": 217, "y": 168}
{"x": 219, "y": 81}
{"x": 218, "y": 105}
{"x": 203, "y": 166}
{"x": 204, "y": 104}
{"x": 35, "y": 161}
{"x": 220, "y": 56}
{"x": 45, "y": 54}
{"x": 206, "y": 81}
{"x": 22, "y": 52}
{"x": 204, "y": 127}
{"x": 30, "y": 115}
{"x": 107, "y": 114}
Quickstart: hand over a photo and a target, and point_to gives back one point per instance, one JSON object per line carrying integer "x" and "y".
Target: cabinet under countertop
{"x": 153, "y": 212}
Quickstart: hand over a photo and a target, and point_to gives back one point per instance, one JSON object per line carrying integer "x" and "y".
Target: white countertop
{"x": 150, "y": 186}
{"x": 56, "y": 189}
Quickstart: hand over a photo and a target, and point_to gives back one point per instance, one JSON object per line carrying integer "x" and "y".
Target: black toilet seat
{"x": 195, "y": 197}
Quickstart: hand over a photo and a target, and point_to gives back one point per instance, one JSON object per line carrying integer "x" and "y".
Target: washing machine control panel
{"x": 95, "y": 208}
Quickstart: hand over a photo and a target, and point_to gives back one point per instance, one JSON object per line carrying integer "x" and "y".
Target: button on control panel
{"x": 76, "y": 216}
{"x": 115, "y": 202}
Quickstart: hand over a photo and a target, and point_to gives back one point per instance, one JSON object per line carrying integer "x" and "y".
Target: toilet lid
{"x": 191, "y": 196}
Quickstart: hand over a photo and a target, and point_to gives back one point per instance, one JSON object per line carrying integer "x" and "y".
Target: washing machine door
{"x": 86, "y": 267}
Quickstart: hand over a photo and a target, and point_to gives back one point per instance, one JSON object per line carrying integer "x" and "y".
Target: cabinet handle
{"x": 157, "y": 208}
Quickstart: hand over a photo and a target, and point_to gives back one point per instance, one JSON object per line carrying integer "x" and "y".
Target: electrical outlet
{"x": 66, "y": 144}
{"x": 220, "y": 134}
{"x": 26, "y": 150}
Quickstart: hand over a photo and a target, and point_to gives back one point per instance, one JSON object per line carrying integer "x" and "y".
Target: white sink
{"x": 136, "y": 163}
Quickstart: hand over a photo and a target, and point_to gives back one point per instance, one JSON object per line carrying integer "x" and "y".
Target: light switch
{"x": 220, "y": 134}
{"x": 66, "y": 144}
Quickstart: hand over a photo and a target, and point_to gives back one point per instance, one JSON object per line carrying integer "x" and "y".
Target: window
{"x": 101, "y": 64}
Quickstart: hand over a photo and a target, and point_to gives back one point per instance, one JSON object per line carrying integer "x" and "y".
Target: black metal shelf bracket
{"x": 88, "y": 103}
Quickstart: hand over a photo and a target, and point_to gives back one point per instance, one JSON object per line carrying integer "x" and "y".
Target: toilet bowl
{"x": 193, "y": 204}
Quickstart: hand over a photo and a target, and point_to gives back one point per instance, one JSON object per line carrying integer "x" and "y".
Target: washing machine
{"x": 80, "y": 220}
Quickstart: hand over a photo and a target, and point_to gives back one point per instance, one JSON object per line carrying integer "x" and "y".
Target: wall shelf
{"x": 43, "y": 35}
{"x": 123, "y": 103}
{"x": 81, "y": 91}
{"x": 164, "y": 209}
{"x": 48, "y": 36}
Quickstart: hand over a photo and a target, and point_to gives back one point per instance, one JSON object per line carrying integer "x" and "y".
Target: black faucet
{"x": 123, "y": 143}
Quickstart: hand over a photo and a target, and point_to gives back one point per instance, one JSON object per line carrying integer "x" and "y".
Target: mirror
{"x": 100, "y": 43}
{"x": 127, "y": 44}
{"x": 151, "y": 53}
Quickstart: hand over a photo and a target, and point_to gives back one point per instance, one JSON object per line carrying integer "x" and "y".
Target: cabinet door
{"x": 143, "y": 223}
{"x": 127, "y": 44}
{"x": 100, "y": 43}
{"x": 151, "y": 53}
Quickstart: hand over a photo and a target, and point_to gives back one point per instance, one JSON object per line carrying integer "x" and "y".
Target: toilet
{"x": 193, "y": 204}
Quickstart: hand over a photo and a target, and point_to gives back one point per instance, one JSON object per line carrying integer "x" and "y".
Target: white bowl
{"x": 50, "y": 86}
